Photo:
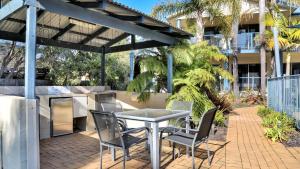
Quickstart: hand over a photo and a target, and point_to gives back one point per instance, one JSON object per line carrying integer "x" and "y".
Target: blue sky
{"x": 141, "y": 5}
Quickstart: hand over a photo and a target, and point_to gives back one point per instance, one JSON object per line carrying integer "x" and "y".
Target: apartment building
{"x": 248, "y": 57}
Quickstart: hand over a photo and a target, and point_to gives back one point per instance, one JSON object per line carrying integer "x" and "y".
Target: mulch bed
{"x": 294, "y": 140}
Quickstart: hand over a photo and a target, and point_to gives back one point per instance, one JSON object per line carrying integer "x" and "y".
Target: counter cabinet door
{"x": 80, "y": 106}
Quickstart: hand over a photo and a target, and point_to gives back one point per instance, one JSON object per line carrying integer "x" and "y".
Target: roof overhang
{"x": 87, "y": 25}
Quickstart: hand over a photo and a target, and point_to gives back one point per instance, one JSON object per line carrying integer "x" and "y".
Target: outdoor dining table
{"x": 152, "y": 117}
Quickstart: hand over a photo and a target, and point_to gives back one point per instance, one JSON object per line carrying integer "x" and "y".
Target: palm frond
{"x": 154, "y": 65}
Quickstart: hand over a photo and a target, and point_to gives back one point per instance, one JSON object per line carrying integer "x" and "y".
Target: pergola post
{"x": 131, "y": 60}
{"x": 170, "y": 73}
{"x": 102, "y": 72}
{"x": 32, "y": 127}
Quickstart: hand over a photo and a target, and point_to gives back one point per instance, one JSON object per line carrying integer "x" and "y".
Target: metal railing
{"x": 284, "y": 95}
{"x": 288, "y": 3}
{"x": 249, "y": 83}
{"x": 246, "y": 41}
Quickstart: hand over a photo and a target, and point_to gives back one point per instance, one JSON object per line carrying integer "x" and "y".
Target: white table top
{"x": 152, "y": 115}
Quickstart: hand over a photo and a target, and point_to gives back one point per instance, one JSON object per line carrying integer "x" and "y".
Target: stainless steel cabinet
{"x": 61, "y": 115}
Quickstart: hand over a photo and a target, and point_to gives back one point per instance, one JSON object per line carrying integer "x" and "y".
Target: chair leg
{"x": 160, "y": 147}
{"x": 193, "y": 157}
{"x": 173, "y": 151}
{"x": 113, "y": 153}
{"x": 127, "y": 154}
{"x": 101, "y": 156}
{"x": 208, "y": 154}
{"x": 124, "y": 158}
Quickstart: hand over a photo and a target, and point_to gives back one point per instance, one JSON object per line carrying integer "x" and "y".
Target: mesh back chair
{"x": 117, "y": 107}
{"x": 194, "y": 140}
{"x": 111, "y": 107}
{"x": 110, "y": 134}
{"x": 114, "y": 107}
{"x": 178, "y": 105}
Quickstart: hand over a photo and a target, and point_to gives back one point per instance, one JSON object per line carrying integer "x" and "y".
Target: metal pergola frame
{"x": 95, "y": 12}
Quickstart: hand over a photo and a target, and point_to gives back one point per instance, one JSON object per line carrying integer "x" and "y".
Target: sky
{"x": 140, "y": 5}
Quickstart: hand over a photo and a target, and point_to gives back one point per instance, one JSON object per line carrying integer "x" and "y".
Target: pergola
{"x": 87, "y": 25}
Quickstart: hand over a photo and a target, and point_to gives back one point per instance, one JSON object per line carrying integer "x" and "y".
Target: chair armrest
{"x": 122, "y": 125}
{"x": 135, "y": 130}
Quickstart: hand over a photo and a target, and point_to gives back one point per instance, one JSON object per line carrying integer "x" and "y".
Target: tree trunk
{"x": 288, "y": 64}
{"x": 235, "y": 30}
{"x": 222, "y": 102}
{"x": 200, "y": 27}
{"x": 8, "y": 58}
{"x": 262, "y": 52}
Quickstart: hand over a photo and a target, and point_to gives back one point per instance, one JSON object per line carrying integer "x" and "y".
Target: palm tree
{"x": 289, "y": 39}
{"x": 190, "y": 7}
{"x": 235, "y": 20}
{"x": 153, "y": 75}
{"x": 198, "y": 77}
{"x": 262, "y": 52}
{"x": 213, "y": 7}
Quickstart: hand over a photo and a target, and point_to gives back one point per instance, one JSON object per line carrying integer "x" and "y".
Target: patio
{"x": 245, "y": 147}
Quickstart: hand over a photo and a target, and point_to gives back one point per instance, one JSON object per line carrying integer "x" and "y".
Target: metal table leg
{"x": 155, "y": 146}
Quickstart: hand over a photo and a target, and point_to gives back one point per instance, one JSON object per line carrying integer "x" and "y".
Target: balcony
{"x": 246, "y": 41}
{"x": 288, "y": 3}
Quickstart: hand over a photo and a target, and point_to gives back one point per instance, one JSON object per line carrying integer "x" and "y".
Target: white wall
{"x": 12, "y": 117}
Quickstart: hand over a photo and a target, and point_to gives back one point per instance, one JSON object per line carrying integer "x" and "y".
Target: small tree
{"x": 195, "y": 77}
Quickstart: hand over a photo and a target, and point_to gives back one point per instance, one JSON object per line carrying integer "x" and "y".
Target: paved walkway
{"x": 245, "y": 147}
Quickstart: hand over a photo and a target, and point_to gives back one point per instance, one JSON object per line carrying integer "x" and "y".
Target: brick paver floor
{"x": 245, "y": 147}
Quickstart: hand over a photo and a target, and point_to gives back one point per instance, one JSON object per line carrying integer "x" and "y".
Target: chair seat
{"x": 181, "y": 138}
{"x": 129, "y": 140}
{"x": 168, "y": 129}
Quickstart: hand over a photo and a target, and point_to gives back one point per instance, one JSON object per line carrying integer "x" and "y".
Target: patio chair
{"x": 177, "y": 105}
{"x": 197, "y": 137}
{"x": 110, "y": 135}
{"x": 115, "y": 107}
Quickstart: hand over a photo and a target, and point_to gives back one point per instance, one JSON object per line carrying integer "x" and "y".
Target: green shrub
{"x": 220, "y": 119}
{"x": 278, "y": 125}
{"x": 264, "y": 111}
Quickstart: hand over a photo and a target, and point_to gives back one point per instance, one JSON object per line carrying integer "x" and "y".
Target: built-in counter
{"x": 82, "y": 103}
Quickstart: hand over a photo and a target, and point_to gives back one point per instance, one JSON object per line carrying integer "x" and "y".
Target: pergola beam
{"x": 93, "y": 35}
{"x": 40, "y": 13}
{"x": 63, "y": 31}
{"x": 10, "y": 8}
{"x": 57, "y": 43}
{"x": 102, "y": 5}
{"x": 54, "y": 28}
{"x": 67, "y": 9}
{"x": 116, "y": 40}
{"x": 158, "y": 28}
{"x": 140, "y": 45}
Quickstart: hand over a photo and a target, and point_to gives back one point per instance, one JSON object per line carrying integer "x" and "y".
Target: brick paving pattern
{"x": 245, "y": 147}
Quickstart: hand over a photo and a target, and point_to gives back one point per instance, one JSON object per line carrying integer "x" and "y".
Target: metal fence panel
{"x": 284, "y": 95}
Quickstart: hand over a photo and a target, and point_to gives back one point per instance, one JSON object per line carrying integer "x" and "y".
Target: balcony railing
{"x": 246, "y": 41}
{"x": 288, "y": 3}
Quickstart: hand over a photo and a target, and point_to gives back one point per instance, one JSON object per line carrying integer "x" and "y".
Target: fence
{"x": 284, "y": 95}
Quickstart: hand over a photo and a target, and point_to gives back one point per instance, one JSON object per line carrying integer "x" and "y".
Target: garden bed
{"x": 221, "y": 133}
